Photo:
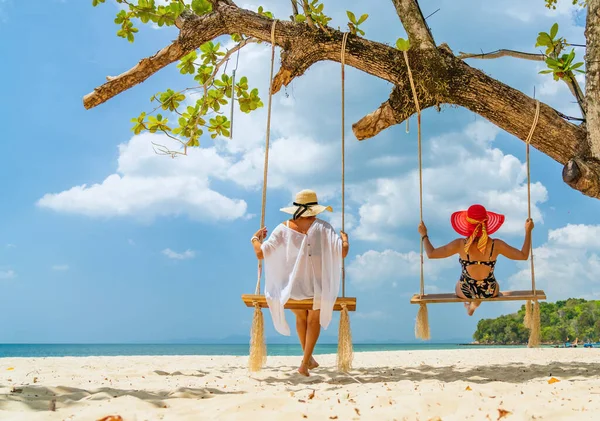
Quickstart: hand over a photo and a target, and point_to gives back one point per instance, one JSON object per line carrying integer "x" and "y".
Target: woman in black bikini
{"x": 477, "y": 252}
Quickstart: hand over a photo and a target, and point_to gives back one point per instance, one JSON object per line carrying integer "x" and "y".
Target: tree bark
{"x": 440, "y": 77}
{"x": 592, "y": 85}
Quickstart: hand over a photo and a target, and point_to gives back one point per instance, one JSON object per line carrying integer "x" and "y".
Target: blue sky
{"x": 102, "y": 241}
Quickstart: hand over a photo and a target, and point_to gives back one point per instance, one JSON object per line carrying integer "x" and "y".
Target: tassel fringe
{"x": 422, "y": 323}
{"x": 345, "y": 351}
{"x": 258, "y": 348}
{"x": 534, "y": 326}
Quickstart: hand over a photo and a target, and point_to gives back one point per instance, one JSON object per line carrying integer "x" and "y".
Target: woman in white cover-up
{"x": 303, "y": 260}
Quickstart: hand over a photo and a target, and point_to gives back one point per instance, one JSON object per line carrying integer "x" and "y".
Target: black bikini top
{"x": 469, "y": 262}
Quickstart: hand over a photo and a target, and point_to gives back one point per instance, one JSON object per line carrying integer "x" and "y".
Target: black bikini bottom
{"x": 472, "y": 288}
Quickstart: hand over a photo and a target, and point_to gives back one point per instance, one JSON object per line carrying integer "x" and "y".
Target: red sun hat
{"x": 461, "y": 225}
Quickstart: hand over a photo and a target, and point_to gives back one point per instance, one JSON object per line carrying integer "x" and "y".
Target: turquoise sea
{"x": 86, "y": 350}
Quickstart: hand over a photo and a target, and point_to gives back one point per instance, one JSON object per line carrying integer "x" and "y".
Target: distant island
{"x": 562, "y": 321}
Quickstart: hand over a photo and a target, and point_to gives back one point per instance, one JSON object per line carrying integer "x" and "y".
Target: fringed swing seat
{"x": 524, "y": 295}
{"x": 250, "y": 299}
{"x": 343, "y": 304}
{"x": 531, "y": 297}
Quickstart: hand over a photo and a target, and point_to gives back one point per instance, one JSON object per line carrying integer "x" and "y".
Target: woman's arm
{"x": 257, "y": 242}
{"x": 513, "y": 253}
{"x": 345, "y": 244}
{"x": 448, "y": 250}
{"x": 442, "y": 252}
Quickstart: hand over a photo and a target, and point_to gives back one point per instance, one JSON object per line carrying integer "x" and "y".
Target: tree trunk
{"x": 581, "y": 172}
{"x": 592, "y": 86}
{"x": 440, "y": 77}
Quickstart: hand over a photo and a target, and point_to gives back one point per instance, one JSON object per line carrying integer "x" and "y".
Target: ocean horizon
{"x": 240, "y": 349}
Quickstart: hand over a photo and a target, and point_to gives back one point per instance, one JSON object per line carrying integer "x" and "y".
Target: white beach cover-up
{"x": 301, "y": 266}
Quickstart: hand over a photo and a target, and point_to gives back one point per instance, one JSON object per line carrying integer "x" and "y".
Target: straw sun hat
{"x": 306, "y": 204}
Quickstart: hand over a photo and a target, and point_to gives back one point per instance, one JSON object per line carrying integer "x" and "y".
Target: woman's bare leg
{"x": 301, "y": 327}
{"x": 471, "y": 305}
{"x": 313, "y": 329}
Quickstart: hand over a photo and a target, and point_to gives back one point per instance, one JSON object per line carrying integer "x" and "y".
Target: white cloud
{"x": 567, "y": 265}
{"x": 374, "y": 269}
{"x": 131, "y": 242}
{"x": 459, "y": 169}
{"x": 579, "y": 236}
{"x": 188, "y": 254}
{"x": 7, "y": 274}
{"x": 60, "y": 267}
{"x": 147, "y": 185}
{"x": 10, "y": 246}
{"x": 387, "y": 161}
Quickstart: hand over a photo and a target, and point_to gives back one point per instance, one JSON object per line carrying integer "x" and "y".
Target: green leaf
{"x": 96, "y": 2}
{"x": 362, "y": 19}
{"x": 403, "y": 44}
{"x": 300, "y": 18}
{"x": 201, "y": 7}
{"x": 577, "y": 65}
{"x": 544, "y": 72}
{"x": 544, "y": 40}
{"x": 553, "y": 30}
{"x": 351, "y": 17}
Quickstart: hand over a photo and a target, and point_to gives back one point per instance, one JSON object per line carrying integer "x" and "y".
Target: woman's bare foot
{"x": 471, "y": 309}
{"x": 303, "y": 369}
{"x": 312, "y": 364}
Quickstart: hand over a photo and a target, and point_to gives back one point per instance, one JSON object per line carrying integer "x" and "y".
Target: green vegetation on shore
{"x": 560, "y": 321}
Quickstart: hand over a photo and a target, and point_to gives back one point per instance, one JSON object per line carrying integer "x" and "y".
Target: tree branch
{"x": 294, "y": 10}
{"x": 188, "y": 41}
{"x": 572, "y": 84}
{"x": 395, "y": 110}
{"x": 439, "y": 78}
{"x": 503, "y": 53}
{"x": 513, "y": 111}
{"x": 414, "y": 23}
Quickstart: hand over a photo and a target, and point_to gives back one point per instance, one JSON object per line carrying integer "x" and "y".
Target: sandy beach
{"x": 474, "y": 383}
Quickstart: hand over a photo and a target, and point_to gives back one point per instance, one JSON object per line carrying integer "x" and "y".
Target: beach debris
{"x": 52, "y": 405}
{"x": 468, "y": 388}
{"x": 10, "y": 369}
{"x": 35, "y": 379}
{"x": 553, "y": 380}
{"x": 112, "y": 418}
{"x": 503, "y": 413}
{"x": 357, "y": 411}
{"x": 16, "y": 390}
{"x": 304, "y": 416}
{"x": 333, "y": 417}
{"x": 312, "y": 394}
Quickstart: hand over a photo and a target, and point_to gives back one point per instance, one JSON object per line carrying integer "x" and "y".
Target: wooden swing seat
{"x": 503, "y": 296}
{"x": 249, "y": 300}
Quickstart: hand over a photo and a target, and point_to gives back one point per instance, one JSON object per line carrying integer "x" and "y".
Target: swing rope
{"x": 414, "y": 91}
{"x": 345, "y": 351}
{"x": 535, "y": 120}
{"x": 532, "y": 310}
{"x": 422, "y": 320}
{"x": 267, "y": 138}
{"x": 258, "y": 347}
{"x": 343, "y": 61}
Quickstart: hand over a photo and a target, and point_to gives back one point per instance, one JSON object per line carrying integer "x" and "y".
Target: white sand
{"x": 399, "y": 385}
